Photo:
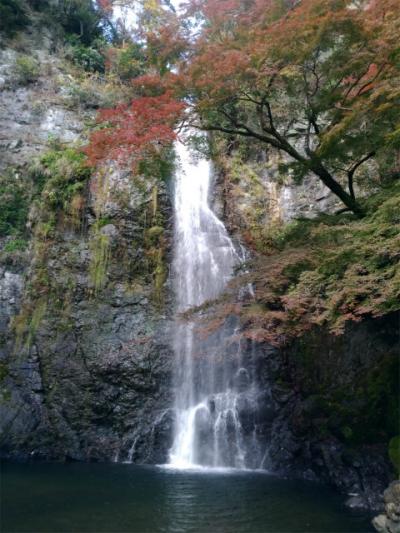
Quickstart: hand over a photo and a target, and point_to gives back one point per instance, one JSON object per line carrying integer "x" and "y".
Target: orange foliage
{"x": 315, "y": 79}
{"x": 136, "y": 131}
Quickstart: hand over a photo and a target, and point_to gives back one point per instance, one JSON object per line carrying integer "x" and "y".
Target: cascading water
{"x": 215, "y": 386}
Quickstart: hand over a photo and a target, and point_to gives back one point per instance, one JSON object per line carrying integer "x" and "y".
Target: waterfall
{"x": 215, "y": 391}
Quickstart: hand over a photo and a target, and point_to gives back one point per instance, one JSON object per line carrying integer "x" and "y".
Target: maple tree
{"x": 135, "y": 131}
{"x": 317, "y": 80}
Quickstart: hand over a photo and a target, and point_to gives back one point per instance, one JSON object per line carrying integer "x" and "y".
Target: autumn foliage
{"x": 317, "y": 80}
{"x": 135, "y": 131}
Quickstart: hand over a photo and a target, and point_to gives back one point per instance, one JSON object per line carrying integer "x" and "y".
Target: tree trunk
{"x": 278, "y": 141}
{"x": 336, "y": 188}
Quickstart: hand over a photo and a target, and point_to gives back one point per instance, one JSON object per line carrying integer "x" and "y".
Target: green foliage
{"x": 79, "y": 18}
{"x": 14, "y": 201}
{"x": 158, "y": 165}
{"x": 103, "y": 221}
{"x": 82, "y": 20}
{"x": 90, "y": 58}
{"x": 61, "y": 174}
{"x": 46, "y": 229}
{"x": 13, "y": 16}
{"x": 26, "y": 69}
{"x": 394, "y": 452}
{"x": 127, "y": 62}
{"x": 15, "y": 245}
{"x": 327, "y": 271}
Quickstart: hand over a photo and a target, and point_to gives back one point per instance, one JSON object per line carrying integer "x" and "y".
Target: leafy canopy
{"x": 317, "y": 80}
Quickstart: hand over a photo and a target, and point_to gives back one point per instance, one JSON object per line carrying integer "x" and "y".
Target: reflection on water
{"x": 127, "y": 498}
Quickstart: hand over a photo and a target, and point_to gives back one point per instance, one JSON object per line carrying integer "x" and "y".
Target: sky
{"x": 128, "y": 14}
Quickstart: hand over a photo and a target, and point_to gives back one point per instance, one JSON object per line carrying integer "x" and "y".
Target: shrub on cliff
{"x": 26, "y": 70}
{"x": 60, "y": 175}
{"x": 14, "y": 201}
{"x": 90, "y": 58}
{"x": 322, "y": 272}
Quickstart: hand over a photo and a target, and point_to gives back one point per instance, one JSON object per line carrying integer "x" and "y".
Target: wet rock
{"x": 390, "y": 521}
{"x": 97, "y": 368}
{"x": 304, "y": 435}
{"x": 356, "y": 502}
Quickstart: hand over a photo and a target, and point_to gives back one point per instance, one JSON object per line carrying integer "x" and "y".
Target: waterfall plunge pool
{"x": 119, "y": 498}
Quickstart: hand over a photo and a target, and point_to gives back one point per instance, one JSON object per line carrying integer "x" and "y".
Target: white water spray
{"x": 213, "y": 389}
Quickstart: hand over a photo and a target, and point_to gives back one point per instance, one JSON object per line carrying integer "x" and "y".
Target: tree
{"x": 137, "y": 132}
{"x": 316, "y": 79}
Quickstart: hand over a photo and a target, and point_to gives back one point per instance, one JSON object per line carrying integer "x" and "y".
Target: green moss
{"x": 364, "y": 412}
{"x": 14, "y": 201}
{"x": 155, "y": 232}
{"x": 4, "y": 371}
{"x": 160, "y": 276}
{"x": 27, "y": 323}
{"x": 155, "y": 244}
{"x": 60, "y": 178}
{"x": 394, "y": 452}
{"x": 100, "y": 257}
{"x": 15, "y": 245}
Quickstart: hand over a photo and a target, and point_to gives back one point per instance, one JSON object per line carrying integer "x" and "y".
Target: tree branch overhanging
{"x": 352, "y": 170}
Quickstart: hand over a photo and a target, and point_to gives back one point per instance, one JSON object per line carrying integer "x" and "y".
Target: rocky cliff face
{"x": 84, "y": 310}
{"x": 257, "y": 195}
{"x": 323, "y": 404}
{"x": 86, "y": 371}
{"x": 330, "y": 401}
{"x": 331, "y": 425}
{"x": 34, "y": 110}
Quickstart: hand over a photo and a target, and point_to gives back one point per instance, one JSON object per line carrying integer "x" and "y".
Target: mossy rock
{"x": 4, "y": 371}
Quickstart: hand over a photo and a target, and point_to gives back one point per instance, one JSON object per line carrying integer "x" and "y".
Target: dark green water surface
{"x": 126, "y": 498}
